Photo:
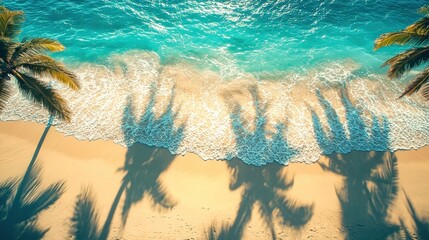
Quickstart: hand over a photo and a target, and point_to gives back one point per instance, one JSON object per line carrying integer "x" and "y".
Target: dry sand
{"x": 184, "y": 197}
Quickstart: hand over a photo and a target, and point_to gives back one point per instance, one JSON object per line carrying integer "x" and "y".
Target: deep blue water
{"x": 251, "y": 36}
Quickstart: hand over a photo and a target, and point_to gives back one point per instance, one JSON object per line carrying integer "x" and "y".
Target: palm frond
{"x": 6, "y": 49}
{"x": 10, "y": 22}
{"x": 420, "y": 27}
{"x": 35, "y": 46}
{"x": 45, "y": 66}
{"x": 400, "y": 38}
{"x": 40, "y": 93}
{"x": 424, "y": 10}
{"x": 5, "y": 93}
{"x": 420, "y": 80}
{"x": 85, "y": 218}
{"x": 407, "y": 60}
{"x": 43, "y": 44}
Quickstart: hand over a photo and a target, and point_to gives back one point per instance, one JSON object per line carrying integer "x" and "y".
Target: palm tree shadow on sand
{"x": 370, "y": 179}
{"x": 21, "y": 202}
{"x": 420, "y": 224}
{"x": 143, "y": 168}
{"x": 262, "y": 186}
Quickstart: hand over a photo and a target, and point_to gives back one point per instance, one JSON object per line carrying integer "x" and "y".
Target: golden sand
{"x": 184, "y": 197}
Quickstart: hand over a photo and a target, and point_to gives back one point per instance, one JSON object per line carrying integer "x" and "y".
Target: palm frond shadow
{"x": 142, "y": 168}
{"x": 259, "y": 146}
{"x": 21, "y": 202}
{"x": 370, "y": 179}
{"x": 262, "y": 186}
{"x": 421, "y": 225}
{"x": 85, "y": 220}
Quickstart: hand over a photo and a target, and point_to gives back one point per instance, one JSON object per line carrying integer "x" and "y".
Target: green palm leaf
{"x": 415, "y": 34}
{"x": 400, "y": 38}
{"x": 420, "y": 27}
{"x": 10, "y": 22}
{"x": 45, "y": 66}
{"x": 40, "y": 93}
{"x": 418, "y": 82}
{"x": 42, "y": 44}
{"x": 35, "y": 46}
{"x": 6, "y": 48}
{"x": 407, "y": 60}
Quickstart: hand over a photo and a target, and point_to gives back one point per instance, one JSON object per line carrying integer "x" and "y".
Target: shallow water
{"x": 281, "y": 81}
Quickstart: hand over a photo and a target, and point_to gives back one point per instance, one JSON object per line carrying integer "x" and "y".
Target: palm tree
{"x": 27, "y": 62}
{"x": 417, "y": 34}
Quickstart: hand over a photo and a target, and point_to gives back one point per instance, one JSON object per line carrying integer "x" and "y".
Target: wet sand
{"x": 185, "y": 197}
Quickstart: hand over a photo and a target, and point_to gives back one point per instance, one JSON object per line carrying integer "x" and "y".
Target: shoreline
{"x": 209, "y": 116}
{"x": 38, "y": 126}
{"x": 200, "y": 191}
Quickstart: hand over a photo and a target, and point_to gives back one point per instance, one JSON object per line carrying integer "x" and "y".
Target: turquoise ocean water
{"x": 264, "y": 81}
{"x": 256, "y": 36}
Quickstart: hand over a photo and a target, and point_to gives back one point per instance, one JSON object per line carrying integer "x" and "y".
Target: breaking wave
{"x": 287, "y": 117}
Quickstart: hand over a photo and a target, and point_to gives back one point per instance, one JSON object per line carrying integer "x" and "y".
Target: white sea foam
{"x": 293, "y": 119}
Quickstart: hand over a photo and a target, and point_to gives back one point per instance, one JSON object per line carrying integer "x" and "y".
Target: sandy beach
{"x": 184, "y": 197}
{"x": 214, "y": 120}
